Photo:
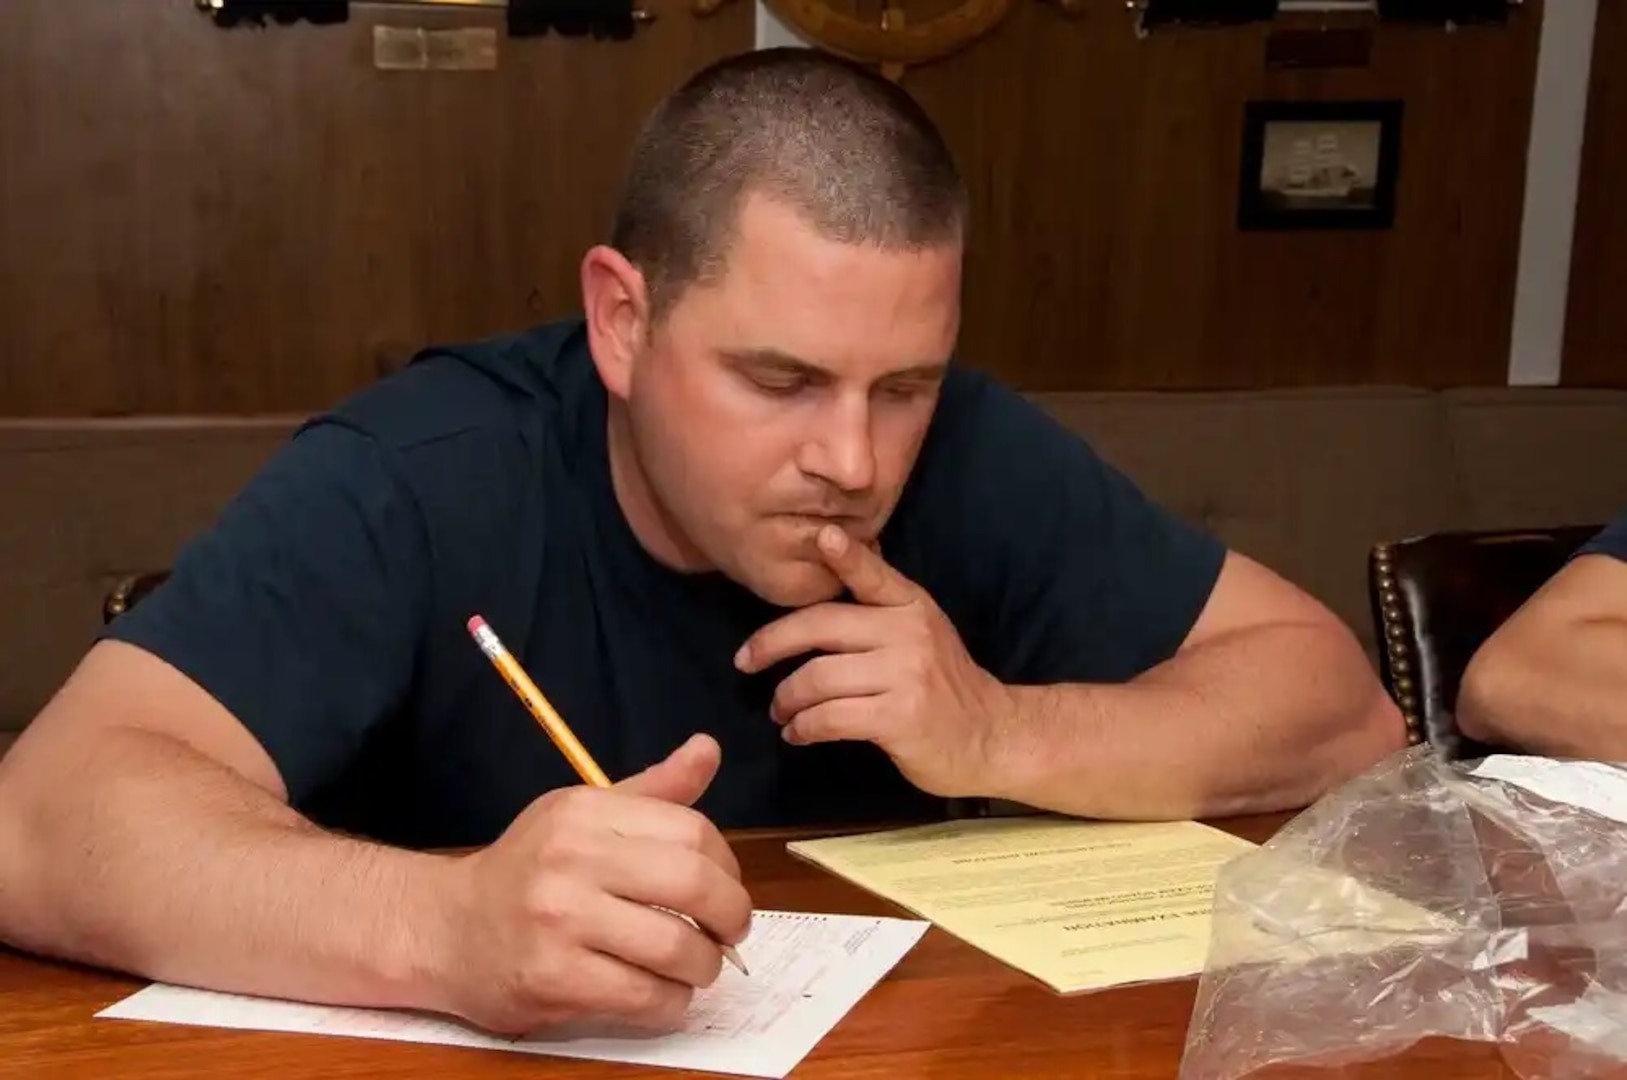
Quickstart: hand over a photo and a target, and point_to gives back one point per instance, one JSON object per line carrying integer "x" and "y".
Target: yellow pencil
{"x": 557, "y": 729}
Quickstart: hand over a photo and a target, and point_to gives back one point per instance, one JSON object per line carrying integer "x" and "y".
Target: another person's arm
{"x": 145, "y": 818}
{"x": 1553, "y": 678}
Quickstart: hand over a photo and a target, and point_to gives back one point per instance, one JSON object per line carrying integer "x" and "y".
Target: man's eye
{"x": 906, "y": 391}
{"x": 780, "y": 387}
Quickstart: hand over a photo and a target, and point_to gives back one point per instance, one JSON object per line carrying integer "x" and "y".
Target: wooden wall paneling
{"x": 1595, "y": 332}
{"x": 195, "y": 220}
{"x": 251, "y": 222}
{"x": 1440, "y": 285}
{"x": 1104, "y": 170}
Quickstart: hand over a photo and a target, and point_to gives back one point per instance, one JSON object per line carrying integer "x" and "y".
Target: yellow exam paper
{"x": 1079, "y": 905}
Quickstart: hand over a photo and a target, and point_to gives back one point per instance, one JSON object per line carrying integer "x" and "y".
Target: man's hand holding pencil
{"x": 609, "y": 901}
{"x": 558, "y": 920}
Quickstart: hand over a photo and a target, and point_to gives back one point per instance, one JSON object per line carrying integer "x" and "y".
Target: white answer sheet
{"x": 807, "y": 972}
{"x": 1598, "y": 787}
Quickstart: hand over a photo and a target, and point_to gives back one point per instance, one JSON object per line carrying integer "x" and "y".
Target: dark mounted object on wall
{"x": 1155, "y": 14}
{"x": 1200, "y": 13}
{"x": 230, "y": 13}
{"x": 1452, "y": 12}
{"x": 612, "y": 19}
{"x": 603, "y": 19}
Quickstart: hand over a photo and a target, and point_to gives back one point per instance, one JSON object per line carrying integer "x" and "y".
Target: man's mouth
{"x": 856, "y": 526}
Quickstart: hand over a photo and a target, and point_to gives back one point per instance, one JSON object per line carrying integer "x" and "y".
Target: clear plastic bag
{"x": 1427, "y": 899}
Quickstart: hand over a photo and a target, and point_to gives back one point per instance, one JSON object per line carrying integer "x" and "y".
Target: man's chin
{"x": 795, "y": 585}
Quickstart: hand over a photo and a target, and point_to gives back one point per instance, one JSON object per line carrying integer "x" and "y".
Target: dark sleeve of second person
{"x": 299, "y": 609}
{"x": 1090, "y": 579}
{"x": 1611, "y": 540}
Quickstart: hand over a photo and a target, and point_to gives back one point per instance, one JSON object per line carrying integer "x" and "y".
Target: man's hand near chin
{"x": 1221, "y": 728}
{"x": 895, "y": 673}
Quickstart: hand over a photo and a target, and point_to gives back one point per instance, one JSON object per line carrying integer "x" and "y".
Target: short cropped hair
{"x": 849, "y": 151}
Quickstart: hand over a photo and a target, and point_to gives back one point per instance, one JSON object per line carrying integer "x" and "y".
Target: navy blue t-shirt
{"x": 1611, "y": 540}
{"x": 327, "y": 607}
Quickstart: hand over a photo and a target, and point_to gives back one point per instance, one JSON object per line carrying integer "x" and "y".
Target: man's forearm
{"x": 1557, "y": 692}
{"x": 158, "y": 862}
{"x": 1261, "y": 720}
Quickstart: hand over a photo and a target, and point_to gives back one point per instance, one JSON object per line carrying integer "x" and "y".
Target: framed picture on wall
{"x": 1319, "y": 164}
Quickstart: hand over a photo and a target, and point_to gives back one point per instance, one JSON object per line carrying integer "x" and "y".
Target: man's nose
{"x": 842, "y": 451}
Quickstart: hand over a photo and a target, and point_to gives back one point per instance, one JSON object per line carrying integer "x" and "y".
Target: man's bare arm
{"x": 1553, "y": 678}
{"x": 143, "y": 829}
{"x": 1269, "y": 703}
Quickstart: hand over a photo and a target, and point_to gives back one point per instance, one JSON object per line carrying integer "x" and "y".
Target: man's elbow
{"x": 14, "y": 803}
{"x": 20, "y": 856}
{"x": 1352, "y": 726}
{"x": 1360, "y": 724}
{"x": 1381, "y": 730}
{"x": 1347, "y": 743}
{"x": 1371, "y": 731}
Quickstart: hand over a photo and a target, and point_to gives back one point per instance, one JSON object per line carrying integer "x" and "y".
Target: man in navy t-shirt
{"x": 1553, "y": 678}
{"x": 772, "y": 556}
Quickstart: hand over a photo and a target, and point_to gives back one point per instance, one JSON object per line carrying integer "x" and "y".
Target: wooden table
{"x": 946, "y": 1012}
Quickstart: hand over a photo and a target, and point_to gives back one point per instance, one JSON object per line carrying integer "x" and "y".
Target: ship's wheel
{"x": 892, "y": 34}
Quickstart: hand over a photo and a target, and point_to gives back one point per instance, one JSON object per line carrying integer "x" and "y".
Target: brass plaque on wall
{"x": 412, "y": 48}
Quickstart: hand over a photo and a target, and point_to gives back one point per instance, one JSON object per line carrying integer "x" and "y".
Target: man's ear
{"x": 616, "y": 305}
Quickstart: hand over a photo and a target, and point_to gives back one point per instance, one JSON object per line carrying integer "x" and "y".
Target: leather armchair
{"x": 1435, "y": 600}
{"x": 129, "y": 592}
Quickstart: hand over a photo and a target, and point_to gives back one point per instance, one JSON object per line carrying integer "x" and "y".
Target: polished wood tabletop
{"x": 946, "y": 1012}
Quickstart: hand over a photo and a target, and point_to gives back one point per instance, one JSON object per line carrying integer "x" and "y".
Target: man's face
{"x": 793, "y": 392}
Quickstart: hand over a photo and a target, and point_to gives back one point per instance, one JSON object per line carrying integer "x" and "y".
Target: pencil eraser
{"x": 476, "y": 624}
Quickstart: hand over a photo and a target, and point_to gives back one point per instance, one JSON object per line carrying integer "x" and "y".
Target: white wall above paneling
{"x": 771, "y": 32}
{"x": 1553, "y": 167}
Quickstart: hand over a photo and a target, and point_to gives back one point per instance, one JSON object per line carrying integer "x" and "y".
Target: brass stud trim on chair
{"x": 1394, "y": 633}
{"x": 118, "y": 601}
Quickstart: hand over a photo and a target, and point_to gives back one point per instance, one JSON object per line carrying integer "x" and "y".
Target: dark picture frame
{"x": 1319, "y": 164}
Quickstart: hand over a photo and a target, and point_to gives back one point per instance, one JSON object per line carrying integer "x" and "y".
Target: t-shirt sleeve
{"x": 299, "y": 609}
{"x": 1082, "y": 576}
{"x": 1611, "y": 540}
